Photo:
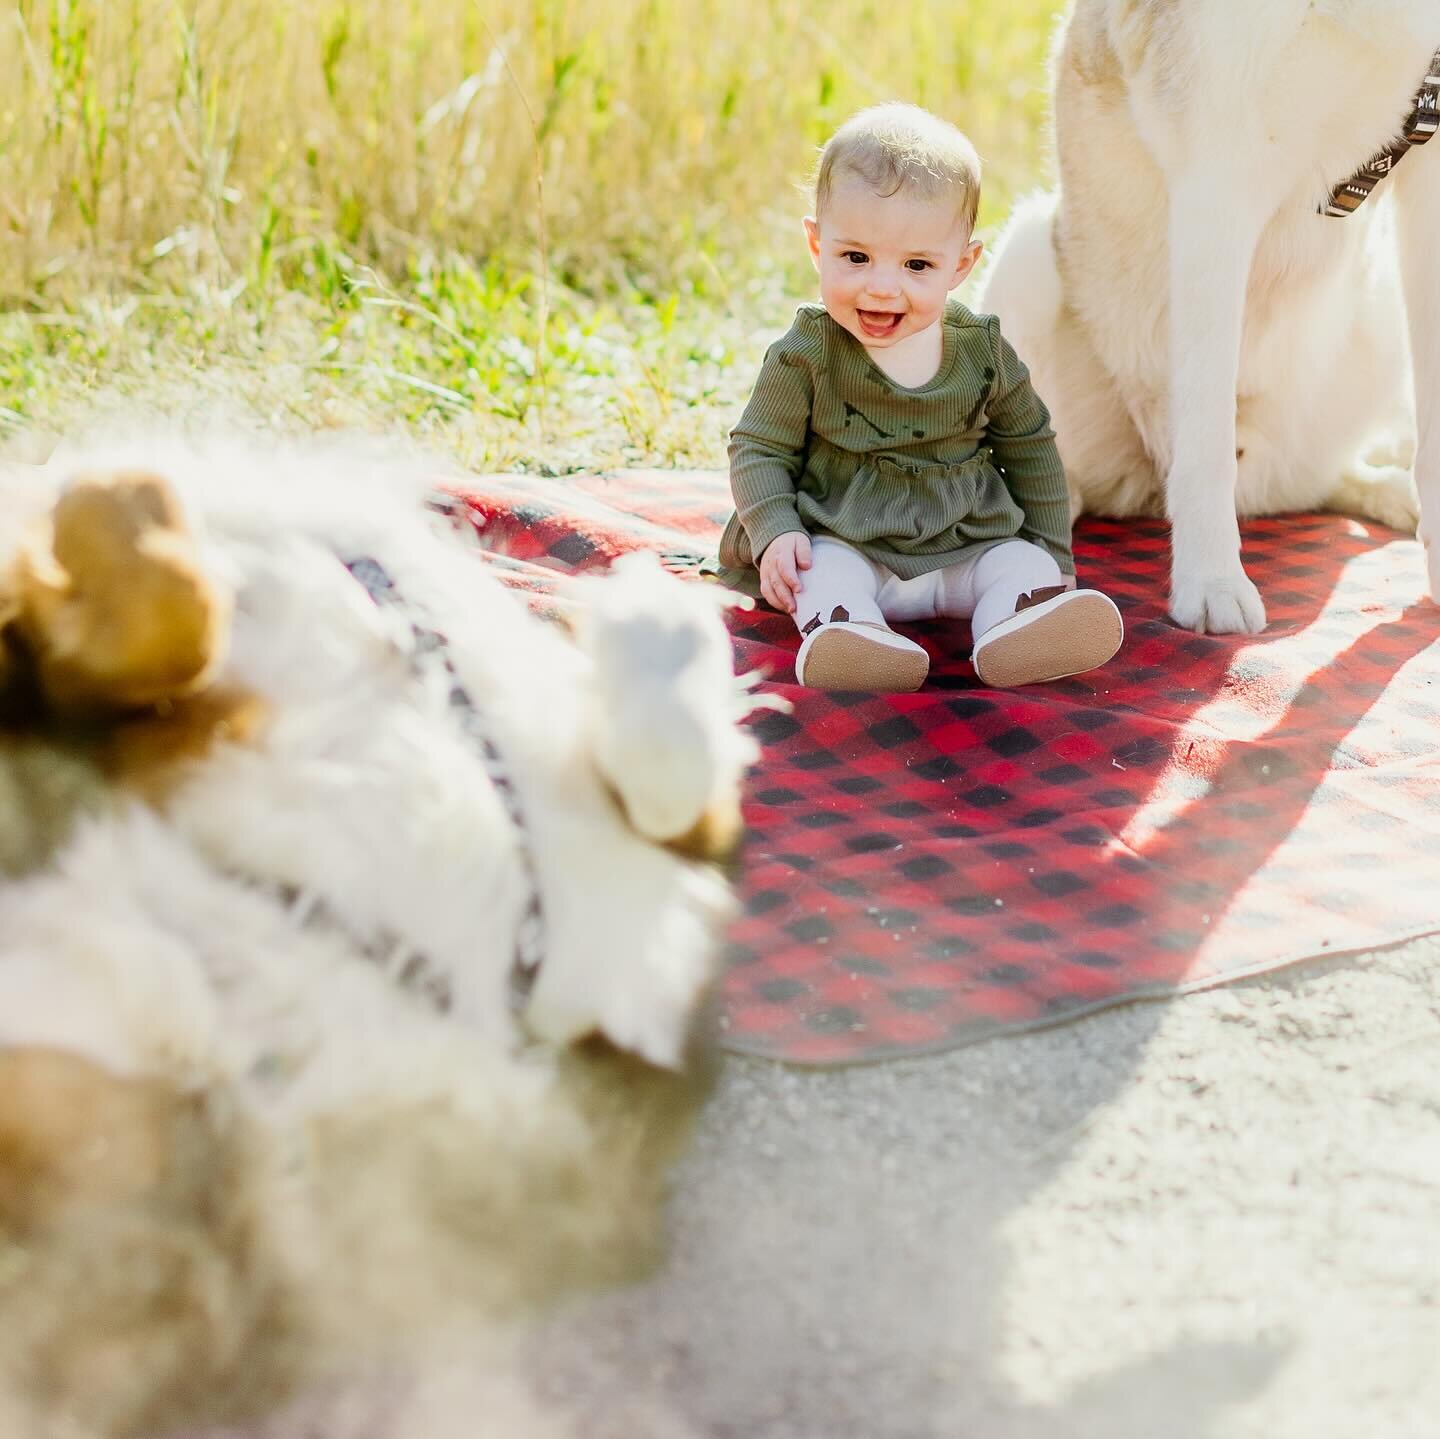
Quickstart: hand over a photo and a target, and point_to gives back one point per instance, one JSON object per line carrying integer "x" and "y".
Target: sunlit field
{"x": 544, "y": 232}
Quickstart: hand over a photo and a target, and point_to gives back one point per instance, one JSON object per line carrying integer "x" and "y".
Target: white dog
{"x": 290, "y": 1019}
{"x": 1206, "y": 338}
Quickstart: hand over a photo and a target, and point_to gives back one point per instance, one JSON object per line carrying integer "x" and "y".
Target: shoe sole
{"x": 842, "y": 660}
{"x": 1070, "y": 635}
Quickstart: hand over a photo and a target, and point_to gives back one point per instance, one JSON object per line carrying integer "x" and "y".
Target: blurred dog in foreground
{"x": 1211, "y": 326}
{"x": 353, "y": 925}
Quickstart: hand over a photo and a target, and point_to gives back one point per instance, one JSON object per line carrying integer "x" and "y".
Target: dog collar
{"x": 1424, "y": 121}
{"x": 431, "y": 648}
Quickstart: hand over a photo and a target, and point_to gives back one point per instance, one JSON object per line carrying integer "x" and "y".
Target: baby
{"x": 894, "y": 462}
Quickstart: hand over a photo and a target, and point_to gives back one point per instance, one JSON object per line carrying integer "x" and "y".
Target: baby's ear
{"x": 969, "y": 258}
{"x": 812, "y": 238}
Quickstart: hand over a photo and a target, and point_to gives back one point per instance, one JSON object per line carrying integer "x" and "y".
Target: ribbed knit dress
{"x": 913, "y": 478}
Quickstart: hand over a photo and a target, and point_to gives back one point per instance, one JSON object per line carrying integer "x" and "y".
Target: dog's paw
{"x": 666, "y": 705}
{"x": 1226, "y": 604}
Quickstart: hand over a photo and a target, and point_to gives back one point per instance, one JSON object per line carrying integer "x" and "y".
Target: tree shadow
{"x": 927, "y": 869}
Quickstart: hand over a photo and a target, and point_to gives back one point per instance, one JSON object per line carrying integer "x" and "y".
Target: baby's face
{"x": 887, "y": 263}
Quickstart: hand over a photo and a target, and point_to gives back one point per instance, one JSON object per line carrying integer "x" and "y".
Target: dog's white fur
{"x": 1205, "y": 340}
{"x": 367, "y": 797}
{"x": 246, "y": 945}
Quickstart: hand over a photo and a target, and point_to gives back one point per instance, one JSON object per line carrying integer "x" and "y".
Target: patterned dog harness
{"x": 1419, "y": 128}
{"x": 431, "y": 647}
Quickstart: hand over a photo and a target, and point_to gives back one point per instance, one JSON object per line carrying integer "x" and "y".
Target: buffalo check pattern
{"x": 925, "y": 870}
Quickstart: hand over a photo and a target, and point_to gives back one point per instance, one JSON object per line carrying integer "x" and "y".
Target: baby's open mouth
{"x": 879, "y": 323}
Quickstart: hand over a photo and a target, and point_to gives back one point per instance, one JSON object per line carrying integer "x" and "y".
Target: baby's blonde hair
{"x": 896, "y": 147}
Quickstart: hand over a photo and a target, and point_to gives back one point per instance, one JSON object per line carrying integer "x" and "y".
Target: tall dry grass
{"x": 143, "y": 142}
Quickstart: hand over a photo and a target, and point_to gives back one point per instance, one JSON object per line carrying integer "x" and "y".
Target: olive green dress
{"x": 913, "y": 478}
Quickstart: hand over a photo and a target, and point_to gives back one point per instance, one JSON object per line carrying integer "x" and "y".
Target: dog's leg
{"x": 655, "y": 770}
{"x": 1209, "y": 271}
{"x": 1360, "y": 411}
{"x": 1106, "y": 465}
{"x": 1418, "y": 221}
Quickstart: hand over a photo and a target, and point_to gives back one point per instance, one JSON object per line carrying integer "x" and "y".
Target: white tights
{"x": 981, "y": 587}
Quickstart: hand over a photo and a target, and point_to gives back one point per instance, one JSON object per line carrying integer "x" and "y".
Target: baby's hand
{"x": 780, "y": 566}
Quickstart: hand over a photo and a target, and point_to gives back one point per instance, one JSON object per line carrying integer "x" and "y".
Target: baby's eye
{"x": 856, "y": 257}
{"x": 918, "y": 266}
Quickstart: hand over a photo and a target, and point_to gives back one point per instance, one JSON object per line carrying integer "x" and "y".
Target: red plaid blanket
{"x": 926, "y": 870}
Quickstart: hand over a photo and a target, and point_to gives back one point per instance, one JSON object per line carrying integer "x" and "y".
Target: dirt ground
{"x": 1216, "y": 1216}
{"x": 1212, "y": 1218}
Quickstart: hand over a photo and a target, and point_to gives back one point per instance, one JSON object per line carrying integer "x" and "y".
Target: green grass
{"x": 449, "y": 353}
{"x": 550, "y": 233}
